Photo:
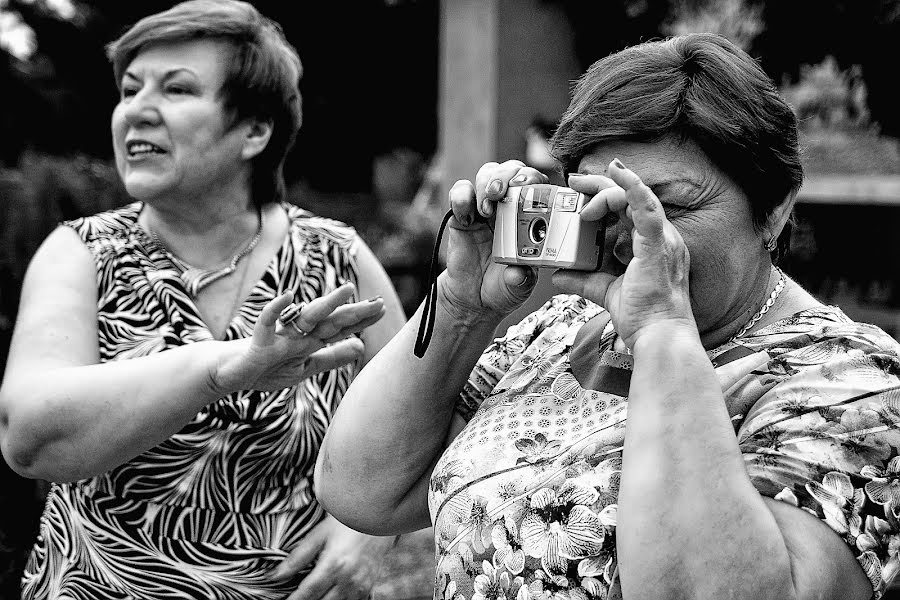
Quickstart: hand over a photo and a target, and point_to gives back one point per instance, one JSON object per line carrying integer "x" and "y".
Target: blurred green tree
{"x": 784, "y": 36}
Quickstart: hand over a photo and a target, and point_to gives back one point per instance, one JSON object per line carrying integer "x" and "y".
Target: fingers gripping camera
{"x": 540, "y": 225}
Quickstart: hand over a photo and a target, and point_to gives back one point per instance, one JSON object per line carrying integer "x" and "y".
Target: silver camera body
{"x": 539, "y": 225}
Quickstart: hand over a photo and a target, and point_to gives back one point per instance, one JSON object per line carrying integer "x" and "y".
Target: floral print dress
{"x": 524, "y": 500}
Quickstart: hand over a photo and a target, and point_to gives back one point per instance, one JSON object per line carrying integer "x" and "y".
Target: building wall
{"x": 502, "y": 63}
{"x": 537, "y": 67}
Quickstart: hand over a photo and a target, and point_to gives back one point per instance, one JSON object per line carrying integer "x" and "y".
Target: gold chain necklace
{"x": 753, "y": 320}
{"x": 195, "y": 278}
{"x": 765, "y": 307}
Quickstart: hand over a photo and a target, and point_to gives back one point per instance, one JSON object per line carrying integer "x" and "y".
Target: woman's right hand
{"x": 278, "y": 356}
{"x": 473, "y": 285}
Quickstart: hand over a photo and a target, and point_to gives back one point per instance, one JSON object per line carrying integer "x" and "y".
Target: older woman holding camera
{"x": 176, "y": 361}
{"x": 759, "y": 456}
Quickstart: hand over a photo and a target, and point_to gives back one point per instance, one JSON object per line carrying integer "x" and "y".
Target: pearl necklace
{"x": 195, "y": 278}
{"x": 765, "y": 307}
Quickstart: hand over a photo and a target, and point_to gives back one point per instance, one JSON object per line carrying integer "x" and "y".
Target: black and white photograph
{"x": 449, "y": 300}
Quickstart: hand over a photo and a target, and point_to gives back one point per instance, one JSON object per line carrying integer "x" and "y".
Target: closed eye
{"x": 673, "y": 210}
{"x": 664, "y": 192}
{"x": 177, "y": 89}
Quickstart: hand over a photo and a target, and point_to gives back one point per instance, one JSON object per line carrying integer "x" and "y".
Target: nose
{"x": 140, "y": 109}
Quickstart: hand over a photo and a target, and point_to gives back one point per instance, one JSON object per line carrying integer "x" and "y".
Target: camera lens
{"x": 538, "y": 230}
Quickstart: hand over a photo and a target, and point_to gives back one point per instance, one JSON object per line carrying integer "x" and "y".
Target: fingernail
{"x": 487, "y": 207}
{"x": 519, "y": 178}
{"x": 494, "y": 187}
{"x": 618, "y": 163}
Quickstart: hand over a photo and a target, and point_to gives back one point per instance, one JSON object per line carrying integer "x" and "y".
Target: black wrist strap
{"x": 426, "y": 325}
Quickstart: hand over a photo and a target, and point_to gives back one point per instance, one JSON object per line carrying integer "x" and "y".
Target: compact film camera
{"x": 540, "y": 225}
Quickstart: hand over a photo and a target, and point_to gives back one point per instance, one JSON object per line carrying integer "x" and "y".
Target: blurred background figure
{"x": 401, "y": 228}
{"x": 537, "y": 150}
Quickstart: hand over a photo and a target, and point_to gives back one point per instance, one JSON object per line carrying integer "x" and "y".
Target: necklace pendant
{"x": 196, "y": 279}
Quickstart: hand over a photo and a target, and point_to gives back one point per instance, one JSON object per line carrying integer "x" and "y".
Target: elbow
{"x": 32, "y": 461}
{"x": 16, "y": 454}
{"x": 329, "y": 497}
{"x": 322, "y": 488}
{"x": 343, "y": 504}
{"x": 20, "y": 466}
{"x": 19, "y": 458}
{"x": 318, "y": 489}
{"x": 25, "y": 447}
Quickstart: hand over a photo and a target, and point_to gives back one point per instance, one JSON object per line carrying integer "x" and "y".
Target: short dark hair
{"x": 699, "y": 87}
{"x": 262, "y": 80}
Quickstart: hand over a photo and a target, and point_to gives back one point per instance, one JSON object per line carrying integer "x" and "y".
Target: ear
{"x": 256, "y": 137}
{"x": 779, "y": 216}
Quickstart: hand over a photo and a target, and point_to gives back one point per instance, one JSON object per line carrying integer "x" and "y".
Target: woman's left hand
{"x": 278, "y": 356}
{"x": 654, "y": 288}
{"x": 347, "y": 563}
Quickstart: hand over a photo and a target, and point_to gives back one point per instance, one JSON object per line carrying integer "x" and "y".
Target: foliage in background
{"x": 782, "y": 35}
{"x": 58, "y": 92}
{"x": 369, "y": 81}
{"x": 836, "y": 129}
{"x": 44, "y": 190}
{"x": 739, "y": 22}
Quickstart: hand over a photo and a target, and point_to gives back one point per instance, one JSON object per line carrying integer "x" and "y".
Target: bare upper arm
{"x": 56, "y": 324}
{"x": 374, "y": 281}
{"x": 823, "y": 565}
{"x": 412, "y": 512}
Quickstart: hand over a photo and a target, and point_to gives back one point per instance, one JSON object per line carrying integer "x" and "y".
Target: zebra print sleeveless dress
{"x": 210, "y": 512}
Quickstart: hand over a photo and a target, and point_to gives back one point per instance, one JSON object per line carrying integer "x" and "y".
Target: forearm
{"x": 74, "y": 422}
{"x": 685, "y": 501}
{"x": 393, "y": 423}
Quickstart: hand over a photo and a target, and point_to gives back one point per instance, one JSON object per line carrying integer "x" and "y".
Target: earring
{"x": 771, "y": 244}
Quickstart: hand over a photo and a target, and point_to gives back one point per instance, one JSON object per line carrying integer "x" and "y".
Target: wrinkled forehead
{"x": 205, "y": 59}
{"x": 654, "y": 162}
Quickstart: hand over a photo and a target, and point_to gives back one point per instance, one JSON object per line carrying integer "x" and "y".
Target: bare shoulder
{"x": 61, "y": 260}
{"x": 57, "y": 319}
